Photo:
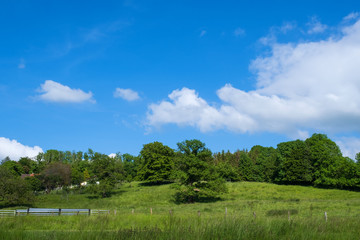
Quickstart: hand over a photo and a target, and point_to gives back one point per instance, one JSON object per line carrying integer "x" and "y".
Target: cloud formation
{"x": 311, "y": 86}
{"x": 15, "y": 150}
{"x": 239, "y": 32}
{"x": 349, "y": 146}
{"x": 21, "y": 65}
{"x": 126, "y": 94}
{"x": 202, "y": 33}
{"x": 351, "y": 16}
{"x": 55, "y": 92}
{"x": 315, "y": 26}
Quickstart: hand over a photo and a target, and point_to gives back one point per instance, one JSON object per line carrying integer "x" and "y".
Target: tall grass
{"x": 167, "y": 227}
{"x": 271, "y": 204}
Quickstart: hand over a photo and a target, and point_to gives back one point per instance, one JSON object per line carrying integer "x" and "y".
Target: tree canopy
{"x": 156, "y": 162}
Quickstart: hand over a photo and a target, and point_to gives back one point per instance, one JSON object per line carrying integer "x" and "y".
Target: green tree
{"x": 35, "y": 183}
{"x": 295, "y": 165}
{"x": 104, "y": 167}
{"x": 14, "y": 167}
{"x": 56, "y": 175}
{"x": 86, "y": 174}
{"x": 52, "y": 155}
{"x": 357, "y": 158}
{"x": 131, "y": 166}
{"x": 27, "y": 164}
{"x": 197, "y": 178}
{"x": 324, "y": 154}
{"x": 263, "y": 163}
{"x": 156, "y": 163}
{"x": 108, "y": 171}
{"x": 13, "y": 189}
{"x": 246, "y": 166}
{"x": 77, "y": 176}
{"x": 227, "y": 165}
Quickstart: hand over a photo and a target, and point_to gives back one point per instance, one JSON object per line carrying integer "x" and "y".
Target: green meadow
{"x": 248, "y": 210}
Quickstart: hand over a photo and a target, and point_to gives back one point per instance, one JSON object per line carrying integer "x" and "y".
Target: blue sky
{"x": 114, "y": 75}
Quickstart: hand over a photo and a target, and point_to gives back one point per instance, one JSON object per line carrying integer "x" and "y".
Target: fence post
{"x": 199, "y": 214}
{"x": 89, "y": 211}
{"x": 150, "y": 211}
{"x": 132, "y": 211}
{"x": 325, "y": 217}
{"x": 27, "y": 212}
{"x": 115, "y": 212}
{"x": 170, "y": 212}
{"x": 59, "y": 211}
{"x": 225, "y": 211}
{"x": 254, "y": 214}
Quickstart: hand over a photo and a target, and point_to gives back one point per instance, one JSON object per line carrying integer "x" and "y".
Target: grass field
{"x": 271, "y": 204}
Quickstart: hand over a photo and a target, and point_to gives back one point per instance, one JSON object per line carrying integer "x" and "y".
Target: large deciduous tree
{"x": 56, "y": 175}
{"x": 156, "y": 163}
{"x": 295, "y": 165}
{"x": 196, "y": 174}
{"x": 107, "y": 170}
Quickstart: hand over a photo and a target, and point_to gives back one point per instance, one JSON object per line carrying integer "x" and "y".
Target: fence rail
{"x": 51, "y": 212}
{"x": 7, "y": 213}
{"x": 98, "y": 212}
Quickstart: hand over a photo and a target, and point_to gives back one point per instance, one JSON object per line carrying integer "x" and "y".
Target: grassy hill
{"x": 271, "y": 203}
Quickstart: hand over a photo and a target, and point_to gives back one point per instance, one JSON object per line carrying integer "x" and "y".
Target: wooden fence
{"x": 51, "y": 212}
{"x": 88, "y": 212}
{"x": 7, "y": 213}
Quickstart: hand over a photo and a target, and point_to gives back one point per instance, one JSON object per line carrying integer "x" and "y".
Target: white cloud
{"x": 127, "y": 94}
{"x": 286, "y": 27}
{"x": 15, "y": 150}
{"x": 315, "y": 26}
{"x": 239, "y": 32}
{"x": 301, "y": 88}
{"x": 22, "y": 64}
{"x": 112, "y": 155}
{"x": 351, "y": 16}
{"x": 56, "y": 92}
{"x": 349, "y": 146}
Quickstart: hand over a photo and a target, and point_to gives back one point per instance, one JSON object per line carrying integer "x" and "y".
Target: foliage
{"x": 86, "y": 174}
{"x": 106, "y": 168}
{"x": 27, "y": 164}
{"x": 197, "y": 177}
{"x": 263, "y": 163}
{"x": 13, "y": 189}
{"x": 77, "y": 176}
{"x": 227, "y": 171}
{"x": 327, "y": 161}
{"x": 14, "y": 167}
{"x": 131, "y": 166}
{"x": 156, "y": 163}
{"x": 294, "y": 163}
{"x": 317, "y": 161}
{"x": 35, "y": 183}
{"x": 103, "y": 189}
{"x": 56, "y": 175}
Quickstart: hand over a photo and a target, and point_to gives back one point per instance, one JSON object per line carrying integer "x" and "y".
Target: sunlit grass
{"x": 270, "y": 203}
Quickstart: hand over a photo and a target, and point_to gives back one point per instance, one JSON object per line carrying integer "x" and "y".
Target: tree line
{"x": 198, "y": 174}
